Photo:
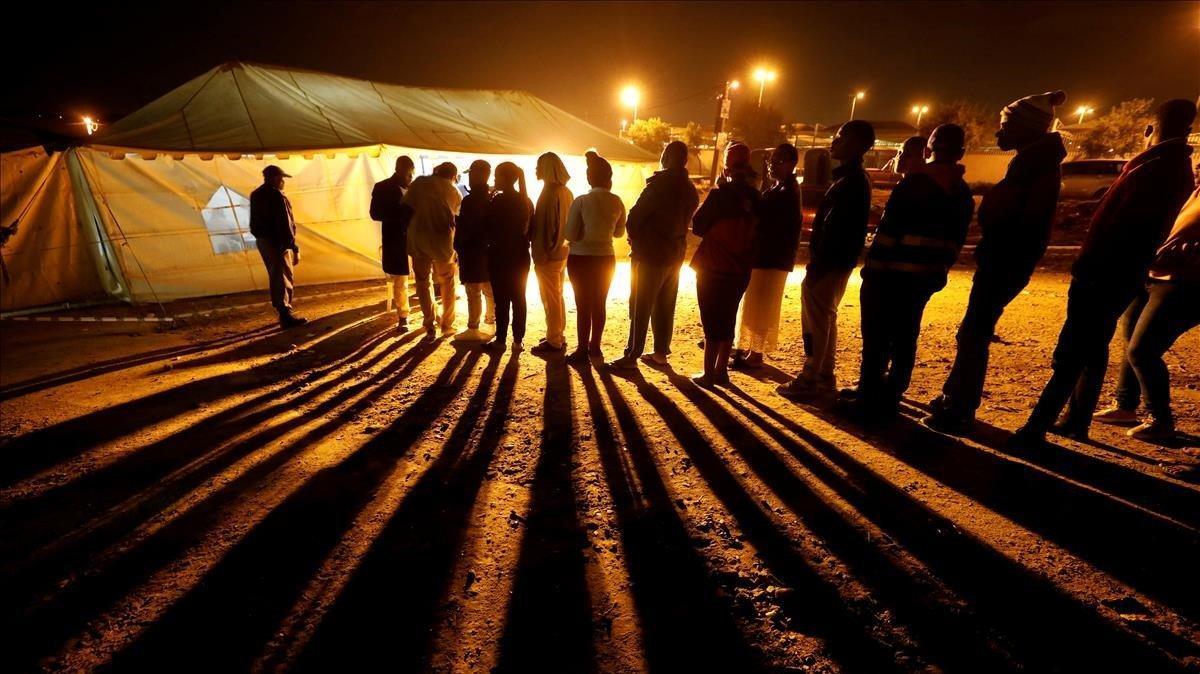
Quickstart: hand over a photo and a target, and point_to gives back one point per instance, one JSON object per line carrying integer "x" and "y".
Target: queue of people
{"x": 1138, "y": 266}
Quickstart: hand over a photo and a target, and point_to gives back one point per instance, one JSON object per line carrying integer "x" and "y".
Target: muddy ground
{"x": 222, "y": 496}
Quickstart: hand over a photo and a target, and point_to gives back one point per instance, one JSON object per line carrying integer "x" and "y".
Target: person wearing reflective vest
{"x": 918, "y": 239}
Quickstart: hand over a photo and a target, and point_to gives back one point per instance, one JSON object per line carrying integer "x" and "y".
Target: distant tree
{"x": 694, "y": 137}
{"x": 979, "y": 122}
{"x": 757, "y": 127}
{"x": 650, "y": 134}
{"x": 1118, "y": 133}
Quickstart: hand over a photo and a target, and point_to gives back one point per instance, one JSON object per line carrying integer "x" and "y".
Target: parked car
{"x": 1089, "y": 179}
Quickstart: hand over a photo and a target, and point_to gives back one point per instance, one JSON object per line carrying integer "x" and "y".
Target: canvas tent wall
{"x": 165, "y": 188}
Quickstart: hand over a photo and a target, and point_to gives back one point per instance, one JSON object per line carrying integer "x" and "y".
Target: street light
{"x": 855, "y": 99}
{"x": 919, "y": 111}
{"x": 762, "y": 76}
{"x": 1083, "y": 110}
{"x": 91, "y": 125}
{"x": 631, "y": 96}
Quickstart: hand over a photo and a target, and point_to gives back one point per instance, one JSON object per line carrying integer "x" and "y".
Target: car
{"x": 1089, "y": 179}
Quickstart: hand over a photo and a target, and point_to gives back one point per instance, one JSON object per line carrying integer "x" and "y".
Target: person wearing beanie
{"x": 470, "y": 245}
{"x": 726, "y": 224}
{"x": 838, "y": 233}
{"x": 434, "y": 201}
{"x": 778, "y": 236}
{"x": 393, "y": 216}
{"x": 1014, "y": 219}
{"x": 550, "y": 249}
{"x": 918, "y": 239}
{"x": 594, "y": 220}
{"x": 274, "y": 228}
{"x": 657, "y": 230}
{"x": 1130, "y": 224}
{"x": 507, "y": 222}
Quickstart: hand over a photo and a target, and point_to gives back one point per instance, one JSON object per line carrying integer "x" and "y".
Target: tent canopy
{"x": 251, "y": 108}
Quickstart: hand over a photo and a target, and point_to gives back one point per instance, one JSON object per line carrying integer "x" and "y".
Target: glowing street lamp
{"x": 855, "y": 99}
{"x": 762, "y": 76}
{"x": 91, "y": 125}
{"x": 1082, "y": 111}
{"x": 919, "y": 111}
{"x": 630, "y": 97}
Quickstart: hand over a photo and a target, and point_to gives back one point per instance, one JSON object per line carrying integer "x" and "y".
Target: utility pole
{"x": 723, "y": 105}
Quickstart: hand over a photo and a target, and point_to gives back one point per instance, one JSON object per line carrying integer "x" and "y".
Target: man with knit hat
{"x": 1127, "y": 229}
{"x": 1014, "y": 218}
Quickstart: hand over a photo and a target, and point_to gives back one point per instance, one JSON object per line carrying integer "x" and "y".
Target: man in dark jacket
{"x": 657, "y": 230}
{"x": 1014, "y": 218}
{"x": 393, "y": 217}
{"x": 920, "y": 234}
{"x": 1127, "y": 229}
{"x": 274, "y": 229}
{"x": 838, "y": 233}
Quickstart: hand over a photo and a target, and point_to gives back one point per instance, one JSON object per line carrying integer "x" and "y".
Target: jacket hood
{"x": 552, "y": 169}
{"x": 1044, "y": 153}
{"x": 1175, "y": 147}
{"x": 945, "y": 175}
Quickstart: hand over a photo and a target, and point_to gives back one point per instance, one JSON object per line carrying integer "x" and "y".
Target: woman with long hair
{"x": 550, "y": 248}
{"x": 507, "y": 229}
{"x": 594, "y": 220}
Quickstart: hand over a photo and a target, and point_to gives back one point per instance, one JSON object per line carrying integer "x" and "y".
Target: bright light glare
{"x": 630, "y": 96}
{"x": 734, "y": 84}
{"x": 91, "y": 125}
{"x": 764, "y": 75}
{"x": 860, "y": 95}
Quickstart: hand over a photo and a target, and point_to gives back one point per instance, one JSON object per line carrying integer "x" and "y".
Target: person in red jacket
{"x": 1129, "y": 225}
{"x": 726, "y": 224}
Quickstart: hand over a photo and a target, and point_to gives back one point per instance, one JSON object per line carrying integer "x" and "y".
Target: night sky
{"x": 110, "y": 59}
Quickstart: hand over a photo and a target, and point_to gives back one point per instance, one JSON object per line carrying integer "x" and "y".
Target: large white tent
{"x": 155, "y": 207}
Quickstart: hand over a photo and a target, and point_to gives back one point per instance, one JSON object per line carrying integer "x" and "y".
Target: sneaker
{"x": 495, "y": 346}
{"x": 1153, "y": 431}
{"x": 950, "y": 423}
{"x": 703, "y": 381}
{"x": 748, "y": 360}
{"x": 402, "y": 325}
{"x": 471, "y": 335}
{"x": 1117, "y": 416}
{"x": 656, "y": 359}
{"x": 1069, "y": 429}
{"x": 579, "y": 357}
{"x": 291, "y": 321}
{"x": 624, "y": 363}
{"x": 547, "y": 348}
{"x": 801, "y": 389}
{"x": 721, "y": 378}
{"x": 1027, "y": 437}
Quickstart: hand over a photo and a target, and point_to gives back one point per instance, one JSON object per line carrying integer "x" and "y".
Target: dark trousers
{"x": 508, "y": 291}
{"x": 1154, "y": 320}
{"x": 652, "y": 292}
{"x": 1081, "y": 356}
{"x": 892, "y": 306}
{"x": 278, "y": 262}
{"x": 990, "y": 294}
{"x": 718, "y": 296}
{"x": 591, "y": 277}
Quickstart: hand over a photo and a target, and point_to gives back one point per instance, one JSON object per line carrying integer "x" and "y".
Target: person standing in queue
{"x": 550, "y": 250}
{"x": 838, "y": 233}
{"x": 1014, "y": 220}
{"x": 657, "y": 229}
{"x": 594, "y": 220}
{"x": 274, "y": 230}
{"x": 470, "y": 243}
{"x": 1130, "y": 224}
{"x": 726, "y": 223}
{"x": 778, "y": 236}
{"x": 393, "y": 216}
{"x": 923, "y": 228}
{"x": 435, "y": 202}
{"x": 507, "y": 225}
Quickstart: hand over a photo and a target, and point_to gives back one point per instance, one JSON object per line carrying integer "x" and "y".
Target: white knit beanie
{"x": 1035, "y": 111}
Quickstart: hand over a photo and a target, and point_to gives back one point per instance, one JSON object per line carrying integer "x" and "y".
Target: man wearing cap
{"x": 1014, "y": 219}
{"x": 435, "y": 202}
{"x": 274, "y": 229}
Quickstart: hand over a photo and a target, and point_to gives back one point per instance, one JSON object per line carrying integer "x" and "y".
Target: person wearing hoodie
{"x": 1128, "y": 227}
{"x": 726, "y": 225}
{"x": 918, "y": 239}
{"x": 1014, "y": 219}
{"x": 550, "y": 249}
{"x": 838, "y": 233}
{"x": 779, "y": 221}
{"x": 434, "y": 201}
{"x": 594, "y": 220}
{"x": 393, "y": 217}
{"x": 657, "y": 229}
{"x": 506, "y": 230}
{"x": 470, "y": 244}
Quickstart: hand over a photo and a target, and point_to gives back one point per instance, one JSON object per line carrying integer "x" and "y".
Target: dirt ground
{"x": 222, "y": 496}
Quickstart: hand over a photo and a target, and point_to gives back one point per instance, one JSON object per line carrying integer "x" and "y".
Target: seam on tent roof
{"x": 292, "y": 77}
{"x": 183, "y": 108}
{"x": 403, "y": 121}
{"x": 261, "y": 145}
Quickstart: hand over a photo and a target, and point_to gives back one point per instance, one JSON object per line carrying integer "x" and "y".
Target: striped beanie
{"x": 1035, "y": 112}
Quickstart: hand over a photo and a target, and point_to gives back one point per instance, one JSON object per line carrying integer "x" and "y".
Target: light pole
{"x": 1082, "y": 111}
{"x": 631, "y": 96}
{"x": 762, "y": 76}
{"x": 919, "y": 111}
{"x": 723, "y": 105}
{"x": 854, "y": 100}
{"x": 624, "y": 123}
